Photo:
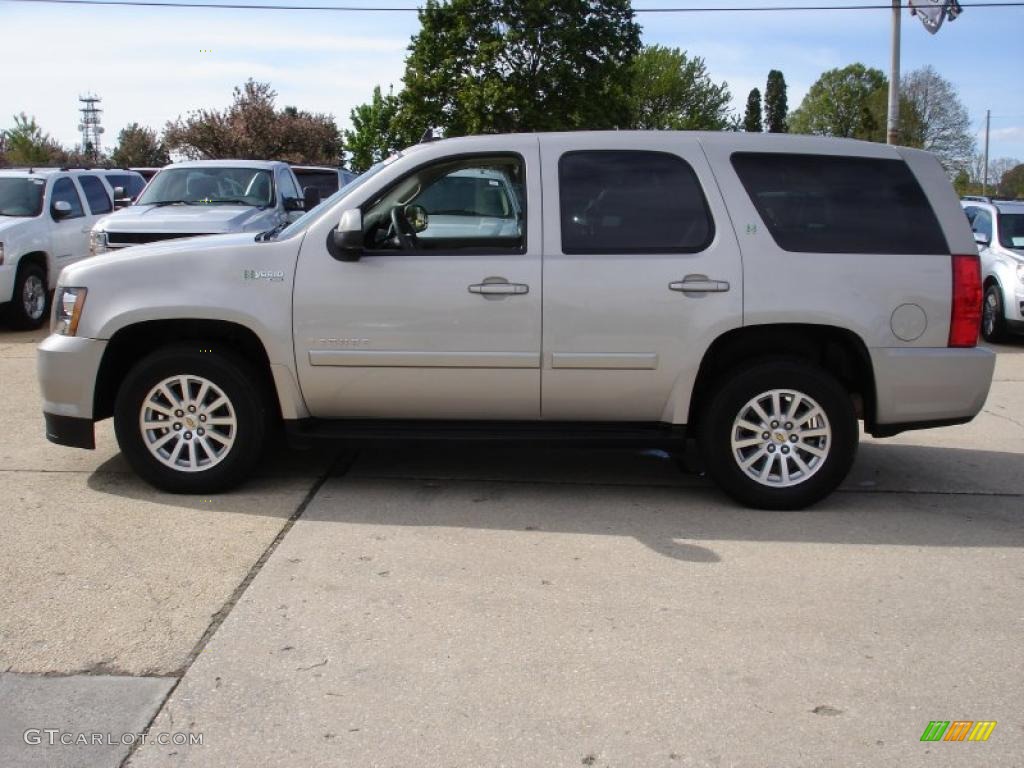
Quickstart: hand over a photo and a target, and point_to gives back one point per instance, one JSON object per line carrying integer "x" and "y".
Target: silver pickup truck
{"x": 761, "y": 293}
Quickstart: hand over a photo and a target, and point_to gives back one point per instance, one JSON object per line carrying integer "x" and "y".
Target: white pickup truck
{"x": 207, "y": 197}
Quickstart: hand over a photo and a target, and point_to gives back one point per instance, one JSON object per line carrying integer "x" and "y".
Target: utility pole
{"x": 984, "y": 173}
{"x": 892, "y": 128}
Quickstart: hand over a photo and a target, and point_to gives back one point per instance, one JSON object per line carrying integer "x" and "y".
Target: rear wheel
{"x": 993, "y": 321}
{"x": 779, "y": 435}
{"x": 190, "y": 421}
{"x": 30, "y": 303}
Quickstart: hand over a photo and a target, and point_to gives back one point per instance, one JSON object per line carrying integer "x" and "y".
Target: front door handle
{"x": 699, "y": 284}
{"x": 499, "y": 286}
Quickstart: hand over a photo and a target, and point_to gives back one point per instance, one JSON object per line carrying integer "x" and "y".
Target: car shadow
{"x": 904, "y": 495}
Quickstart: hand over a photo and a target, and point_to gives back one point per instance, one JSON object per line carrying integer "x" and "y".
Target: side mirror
{"x": 293, "y": 204}
{"x": 347, "y": 239}
{"x": 61, "y": 209}
{"x": 981, "y": 238}
{"x": 310, "y": 198}
{"x": 118, "y": 193}
{"x": 419, "y": 218}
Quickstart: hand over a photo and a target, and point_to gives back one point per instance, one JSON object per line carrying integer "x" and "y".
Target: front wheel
{"x": 779, "y": 435}
{"x": 993, "y": 321}
{"x": 191, "y": 421}
{"x": 30, "y": 303}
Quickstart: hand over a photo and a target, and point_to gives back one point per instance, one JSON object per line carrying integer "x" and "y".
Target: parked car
{"x": 328, "y": 180}
{"x": 45, "y": 218}
{"x": 758, "y": 292}
{"x": 998, "y": 227}
{"x": 207, "y": 197}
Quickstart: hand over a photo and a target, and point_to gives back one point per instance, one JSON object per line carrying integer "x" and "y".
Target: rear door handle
{"x": 499, "y": 286}
{"x": 699, "y": 284}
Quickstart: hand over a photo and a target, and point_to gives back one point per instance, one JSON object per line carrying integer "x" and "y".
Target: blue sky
{"x": 148, "y": 64}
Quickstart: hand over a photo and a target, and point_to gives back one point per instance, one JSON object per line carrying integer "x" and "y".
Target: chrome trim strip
{"x": 405, "y": 359}
{"x": 621, "y": 361}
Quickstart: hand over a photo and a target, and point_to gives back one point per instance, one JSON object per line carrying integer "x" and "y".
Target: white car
{"x": 999, "y": 232}
{"x": 207, "y": 197}
{"x": 45, "y": 218}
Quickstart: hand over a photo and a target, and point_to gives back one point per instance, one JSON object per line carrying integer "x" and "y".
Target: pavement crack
{"x": 1003, "y": 416}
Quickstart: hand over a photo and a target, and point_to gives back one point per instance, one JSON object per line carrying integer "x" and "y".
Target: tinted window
{"x": 95, "y": 194}
{"x": 631, "y": 202}
{"x": 21, "y": 196}
{"x": 129, "y": 182}
{"x": 64, "y": 190}
{"x": 288, "y": 186}
{"x": 325, "y": 181}
{"x": 831, "y": 204}
{"x": 1011, "y": 230}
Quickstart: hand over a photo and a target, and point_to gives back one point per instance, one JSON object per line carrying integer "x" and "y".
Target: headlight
{"x": 69, "y": 310}
{"x": 97, "y": 242}
{"x": 1020, "y": 268}
{"x": 1, "y": 253}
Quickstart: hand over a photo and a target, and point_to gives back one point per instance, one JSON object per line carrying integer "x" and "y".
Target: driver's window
{"x": 469, "y": 204}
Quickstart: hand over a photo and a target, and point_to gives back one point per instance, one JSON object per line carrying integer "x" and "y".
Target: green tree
{"x": 752, "y": 116}
{"x": 493, "y": 66}
{"x": 1011, "y": 185}
{"x": 876, "y": 128}
{"x": 376, "y": 131}
{"x": 27, "y": 144}
{"x": 838, "y": 104}
{"x": 253, "y": 128}
{"x": 672, "y": 91}
{"x": 139, "y": 146}
{"x": 776, "y": 103}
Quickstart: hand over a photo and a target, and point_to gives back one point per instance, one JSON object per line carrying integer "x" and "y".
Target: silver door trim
{"x": 410, "y": 359}
{"x": 621, "y": 361}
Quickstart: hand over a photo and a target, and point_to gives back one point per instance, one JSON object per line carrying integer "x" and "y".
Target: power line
{"x": 411, "y": 9}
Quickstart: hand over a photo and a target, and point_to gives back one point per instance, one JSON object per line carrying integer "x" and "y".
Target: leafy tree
{"x": 876, "y": 129}
{"x": 1011, "y": 185}
{"x": 492, "y": 66}
{"x": 943, "y": 124}
{"x": 138, "y": 145}
{"x": 26, "y": 144}
{"x": 752, "y": 117}
{"x": 962, "y": 182}
{"x": 672, "y": 91}
{"x": 776, "y": 103}
{"x": 253, "y": 128}
{"x": 376, "y": 130}
{"x": 838, "y": 104}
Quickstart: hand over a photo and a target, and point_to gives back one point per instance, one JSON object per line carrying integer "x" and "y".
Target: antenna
{"x": 90, "y": 125}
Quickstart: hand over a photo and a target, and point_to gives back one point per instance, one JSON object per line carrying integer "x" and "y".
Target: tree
{"x": 944, "y": 126}
{"x": 776, "y": 103}
{"x": 1011, "y": 185}
{"x": 838, "y": 104}
{"x": 876, "y": 128}
{"x": 376, "y": 130}
{"x": 26, "y": 144}
{"x": 672, "y": 91}
{"x": 138, "y": 145}
{"x": 253, "y": 128}
{"x": 493, "y": 66}
{"x": 752, "y": 117}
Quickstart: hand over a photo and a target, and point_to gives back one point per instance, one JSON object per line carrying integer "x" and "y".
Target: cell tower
{"x": 90, "y": 125}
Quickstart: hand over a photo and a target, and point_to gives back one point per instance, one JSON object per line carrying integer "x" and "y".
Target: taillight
{"x": 965, "y": 317}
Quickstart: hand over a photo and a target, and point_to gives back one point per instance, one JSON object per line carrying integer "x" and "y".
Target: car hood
{"x": 182, "y": 218}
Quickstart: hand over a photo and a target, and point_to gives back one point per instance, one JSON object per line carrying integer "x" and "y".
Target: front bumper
{"x": 67, "y": 367}
{"x": 7, "y": 274}
{"x": 917, "y": 388}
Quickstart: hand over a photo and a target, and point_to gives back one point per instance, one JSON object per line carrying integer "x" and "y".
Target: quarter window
{"x": 982, "y": 224}
{"x": 95, "y": 195}
{"x": 64, "y": 190}
{"x": 839, "y": 204}
{"x": 631, "y": 202}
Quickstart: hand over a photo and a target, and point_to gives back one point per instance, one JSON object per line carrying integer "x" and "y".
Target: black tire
{"x": 733, "y": 394}
{"x": 23, "y": 317}
{"x": 993, "y": 319}
{"x": 247, "y": 400}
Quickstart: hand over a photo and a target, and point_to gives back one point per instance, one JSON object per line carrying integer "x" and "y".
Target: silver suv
{"x": 998, "y": 228}
{"x": 759, "y": 293}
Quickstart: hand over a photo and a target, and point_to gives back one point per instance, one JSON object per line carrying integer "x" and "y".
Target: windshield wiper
{"x": 162, "y": 203}
{"x": 229, "y": 201}
{"x": 270, "y": 234}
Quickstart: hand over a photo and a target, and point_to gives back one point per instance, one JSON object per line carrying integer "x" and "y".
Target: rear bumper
{"x": 67, "y": 368}
{"x": 918, "y": 388}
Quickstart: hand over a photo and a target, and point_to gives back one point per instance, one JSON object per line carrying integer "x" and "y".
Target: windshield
{"x": 300, "y": 223}
{"x": 21, "y": 196}
{"x": 210, "y": 186}
{"x": 1011, "y": 230}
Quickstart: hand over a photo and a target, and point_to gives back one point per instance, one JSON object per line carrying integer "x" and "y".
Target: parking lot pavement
{"x": 461, "y": 604}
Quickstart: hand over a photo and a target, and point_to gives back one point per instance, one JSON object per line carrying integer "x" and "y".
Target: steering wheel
{"x": 404, "y": 231}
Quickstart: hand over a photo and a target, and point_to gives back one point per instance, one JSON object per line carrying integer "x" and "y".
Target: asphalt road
{"x": 487, "y": 605}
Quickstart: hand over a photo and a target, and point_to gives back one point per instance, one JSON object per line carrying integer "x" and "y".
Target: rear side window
{"x": 95, "y": 195}
{"x": 631, "y": 202}
{"x": 835, "y": 204}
